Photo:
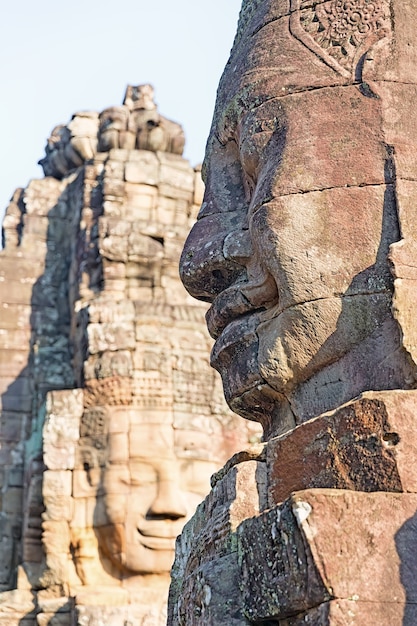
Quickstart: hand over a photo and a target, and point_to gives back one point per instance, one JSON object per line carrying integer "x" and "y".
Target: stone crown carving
{"x": 136, "y": 124}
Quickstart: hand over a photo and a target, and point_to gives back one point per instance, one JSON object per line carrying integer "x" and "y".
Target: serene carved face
{"x": 292, "y": 238}
{"x": 149, "y": 497}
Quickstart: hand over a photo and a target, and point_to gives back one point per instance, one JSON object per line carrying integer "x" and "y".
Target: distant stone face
{"x": 112, "y": 420}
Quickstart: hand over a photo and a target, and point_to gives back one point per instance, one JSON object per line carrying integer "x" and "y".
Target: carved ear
{"x": 93, "y": 475}
{"x": 91, "y": 468}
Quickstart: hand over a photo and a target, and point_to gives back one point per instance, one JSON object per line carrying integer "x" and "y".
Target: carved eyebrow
{"x": 242, "y": 104}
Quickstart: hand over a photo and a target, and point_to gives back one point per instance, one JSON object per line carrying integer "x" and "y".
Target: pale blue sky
{"x": 57, "y": 58}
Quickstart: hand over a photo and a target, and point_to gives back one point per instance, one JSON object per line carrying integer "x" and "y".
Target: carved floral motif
{"x": 340, "y": 31}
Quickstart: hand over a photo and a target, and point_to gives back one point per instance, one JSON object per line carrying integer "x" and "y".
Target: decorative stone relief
{"x": 341, "y": 32}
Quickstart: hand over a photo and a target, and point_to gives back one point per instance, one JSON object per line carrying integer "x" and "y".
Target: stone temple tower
{"x": 112, "y": 421}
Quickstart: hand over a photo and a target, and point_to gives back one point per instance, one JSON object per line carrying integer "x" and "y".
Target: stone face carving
{"x": 147, "y": 497}
{"x": 112, "y": 420}
{"x": 304, "y": 246}
{"x": 292, "y": 240}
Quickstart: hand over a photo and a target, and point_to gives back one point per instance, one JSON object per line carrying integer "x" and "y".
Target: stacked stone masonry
{"x": 110, "y": 413}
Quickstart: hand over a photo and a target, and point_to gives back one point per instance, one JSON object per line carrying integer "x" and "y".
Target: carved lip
{"x": 159, "y": 535}
{"x": 240, "y": 301}
{"x": 239, "y": 330}
{"x": 157, "y": 543}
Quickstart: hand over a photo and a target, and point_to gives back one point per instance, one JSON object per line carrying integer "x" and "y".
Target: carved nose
{"x": 207, "y": 265}
{"x": 169, "y": 503}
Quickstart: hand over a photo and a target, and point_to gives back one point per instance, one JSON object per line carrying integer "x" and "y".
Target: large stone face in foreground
{"x": 304, "y": 242}
{"x": 112, "y": 421}
{"x": 305, "y": 248}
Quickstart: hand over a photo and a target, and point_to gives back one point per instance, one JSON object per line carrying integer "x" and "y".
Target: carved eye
{"x": 254, "y": 137}
{"x": 252, "y": 156}
{"x": 249, "y": 156}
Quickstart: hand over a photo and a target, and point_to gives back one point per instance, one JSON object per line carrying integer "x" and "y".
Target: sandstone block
{"x": 113, "y": 187}
{"x": 142, "y": 167}
{"x": 19, "y": 268}
{"x": 171, "y": 191}
{"x": 79, "y": 514}
{"x": 105, "y": 310}
{"x": 113, "y": 270}
{"x": 16, "y": 600}
{"x": 355, "y": 613}
{"x": 140, "y": 199}
{"x": 41, "y": 196}
{"x": 13, "y": 500}
{"x": 366, "y": 445}
{"x": 59, "y": 457}
{"x": 207, "y": 554}
{"x": 108, "y": 364}
{"x": 10, "y": 338}
{"x": 64, "y": 410}
{"x": 113, "y": 207}
{"x": 84, "y": 123}
{"x": 315, "y": 546}
{"x": 49, "y": 603}
{"x": 15, "y": 477}
{"x": 15, "y": 317}
{"x": 12, "y": 427}
{"x": 111, "y": 391}
{"x": 17, "y": 291}
{"x": 56, "y": 483}
{"x": 400, "y": 127}
{"x": 15, "y": 386}
{"x": 114, "y": 247}
{"x": 32, "y": 551}
{"x": 121, "y": 417}
{"x": 15, "y": 403}
{"x": 59, "y": 619}
{"x": 56, "y": 536}
{"x": 119, "y": 448}
{"x": 119, "y": 155}
{"x": 113, "y": 170}
{"x": 111, "y": 596}
{"x": 82, "y": 488}
{"x": 58, "y": 508}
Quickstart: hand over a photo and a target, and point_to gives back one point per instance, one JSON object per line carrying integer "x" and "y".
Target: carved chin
{"x": 142, "y": 560}
{"x": 139, "y": 559}
{"x": 154, "y": 556}
{"x": 263, "y": 364}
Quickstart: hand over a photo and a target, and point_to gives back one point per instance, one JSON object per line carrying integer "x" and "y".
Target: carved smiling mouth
{"x": 238, "y": 302}
{"x": 159, "y": 535}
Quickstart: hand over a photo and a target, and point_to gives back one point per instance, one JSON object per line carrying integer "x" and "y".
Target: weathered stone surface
{"x": 366, "y": 445}
{"x": 355, "y": 613}
{"x": 206, "y": 572}
{"x": 341, "y": 551}
{"x": 339, "y": 532}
